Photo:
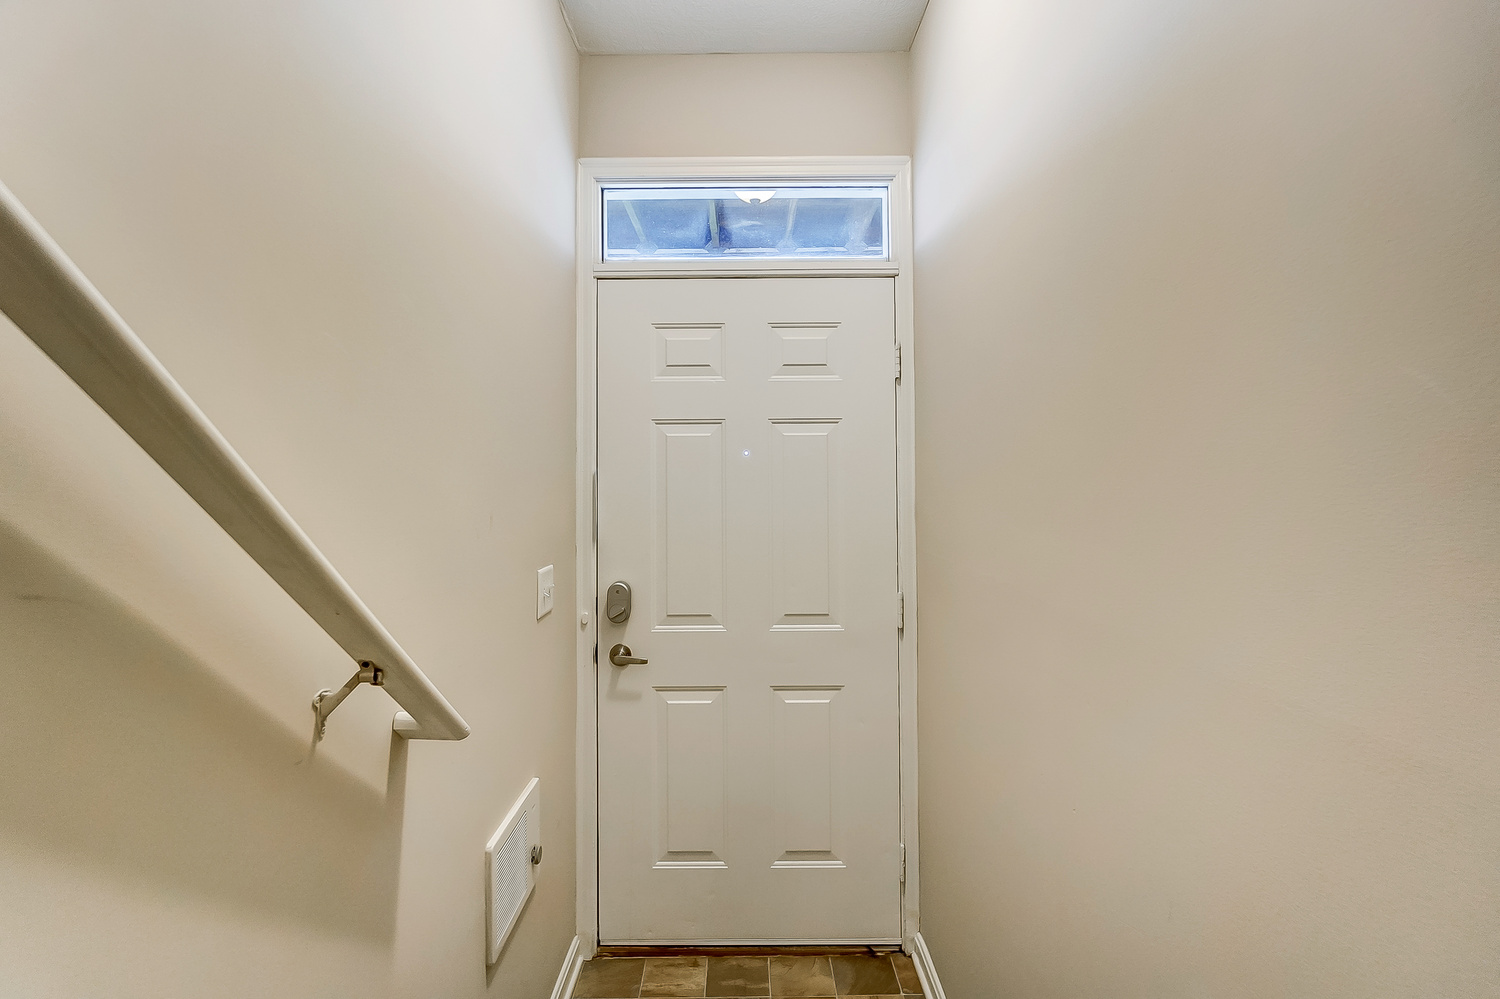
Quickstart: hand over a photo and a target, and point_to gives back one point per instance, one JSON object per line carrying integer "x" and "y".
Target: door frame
{"x": 593, "y": 176}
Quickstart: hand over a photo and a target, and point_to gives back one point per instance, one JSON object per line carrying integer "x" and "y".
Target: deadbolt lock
{"x": 617, "y": 602}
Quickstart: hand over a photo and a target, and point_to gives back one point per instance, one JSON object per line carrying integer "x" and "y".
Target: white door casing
{"x": 749, "y": 773}
{"x": 594, "y": 175}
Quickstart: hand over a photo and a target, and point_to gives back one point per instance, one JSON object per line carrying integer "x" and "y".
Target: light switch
{"x": 544, "y": 588}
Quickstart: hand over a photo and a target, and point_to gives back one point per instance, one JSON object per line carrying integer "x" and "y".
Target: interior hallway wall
{"x": 1208, "y": 370}
{"x": 348, "y": 230}
{"x": 799, "y": 104}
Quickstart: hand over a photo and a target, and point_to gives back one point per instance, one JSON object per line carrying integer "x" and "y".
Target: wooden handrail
{"x": 49, "y": 298}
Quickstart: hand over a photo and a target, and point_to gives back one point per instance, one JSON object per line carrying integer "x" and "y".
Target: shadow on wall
{"x": 127, "y": 756}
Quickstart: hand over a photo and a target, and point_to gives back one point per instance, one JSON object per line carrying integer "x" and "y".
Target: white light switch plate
{"x": 544, "y": 588}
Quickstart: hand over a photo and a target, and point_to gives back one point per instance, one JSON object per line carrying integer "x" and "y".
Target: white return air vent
{"x": 510, "y": 866}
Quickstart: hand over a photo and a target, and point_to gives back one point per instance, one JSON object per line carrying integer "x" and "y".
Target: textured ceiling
{"x": 641, "y": 27}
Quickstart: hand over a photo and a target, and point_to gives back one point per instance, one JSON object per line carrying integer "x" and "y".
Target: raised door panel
{"x": 802, "y": 541}
{"x": 691, "y": 782}
{"x": 803, "y": 351}
{"x": 690, "y": 528}
{"x": 803, "y": 750}
{"x": 689, "y": 351}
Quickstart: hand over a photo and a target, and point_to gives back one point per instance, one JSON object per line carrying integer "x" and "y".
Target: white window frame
{"x": 593, "y": 176}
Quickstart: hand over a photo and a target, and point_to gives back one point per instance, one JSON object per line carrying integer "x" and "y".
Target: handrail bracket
{"x": 326, "y": 700}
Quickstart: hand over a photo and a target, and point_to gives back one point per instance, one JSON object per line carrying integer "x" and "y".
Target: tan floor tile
{"x": 906, "y": 974}
{"x": 733, "y": 977}
{"x": 675, "y": 976}
{"x": 610, "y": 978}
{"x": 865, "y": 976}
{"x": 801, "y": 976}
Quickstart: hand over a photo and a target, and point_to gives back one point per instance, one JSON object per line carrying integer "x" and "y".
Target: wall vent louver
{"x": 509, "y": 869}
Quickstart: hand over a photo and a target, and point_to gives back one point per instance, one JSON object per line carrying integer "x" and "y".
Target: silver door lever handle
{"x": 620, "y": 656}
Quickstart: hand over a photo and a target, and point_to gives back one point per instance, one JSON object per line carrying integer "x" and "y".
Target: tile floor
{"x": 840, "y": 976}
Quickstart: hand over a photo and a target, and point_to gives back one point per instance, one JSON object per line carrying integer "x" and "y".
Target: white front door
{"x": 748, "y": 773}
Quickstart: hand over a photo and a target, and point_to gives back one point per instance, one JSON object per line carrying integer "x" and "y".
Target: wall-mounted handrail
{"x": 48, "y": 297}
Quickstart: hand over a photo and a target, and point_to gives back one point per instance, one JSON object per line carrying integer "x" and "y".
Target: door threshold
{"x": 745, "y": 950}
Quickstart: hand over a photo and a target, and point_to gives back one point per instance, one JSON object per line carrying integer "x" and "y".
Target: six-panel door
{"x": 748, "y": 775}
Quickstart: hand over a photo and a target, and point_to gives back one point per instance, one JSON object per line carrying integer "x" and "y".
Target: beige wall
{"x": 1209, "y": 386}
{"x": 1210, "y": 403}
{"x": 347, "y": 229}
{"x": 745, "y": 105}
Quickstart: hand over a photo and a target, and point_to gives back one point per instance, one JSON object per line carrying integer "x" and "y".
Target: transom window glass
{"x": 752, "y": 221}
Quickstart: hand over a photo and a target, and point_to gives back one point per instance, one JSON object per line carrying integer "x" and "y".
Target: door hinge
{"x": 903, "y": 865}
{"x": 898, "y": 362}
{"x": 900, "y": 611}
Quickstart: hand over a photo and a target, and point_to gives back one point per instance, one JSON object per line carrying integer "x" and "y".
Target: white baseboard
{"x": 926, "y": 973}
{"x": 568, "y": 976}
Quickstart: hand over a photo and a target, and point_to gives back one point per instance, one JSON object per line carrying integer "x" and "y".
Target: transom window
{"x": 754, "y": 220}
